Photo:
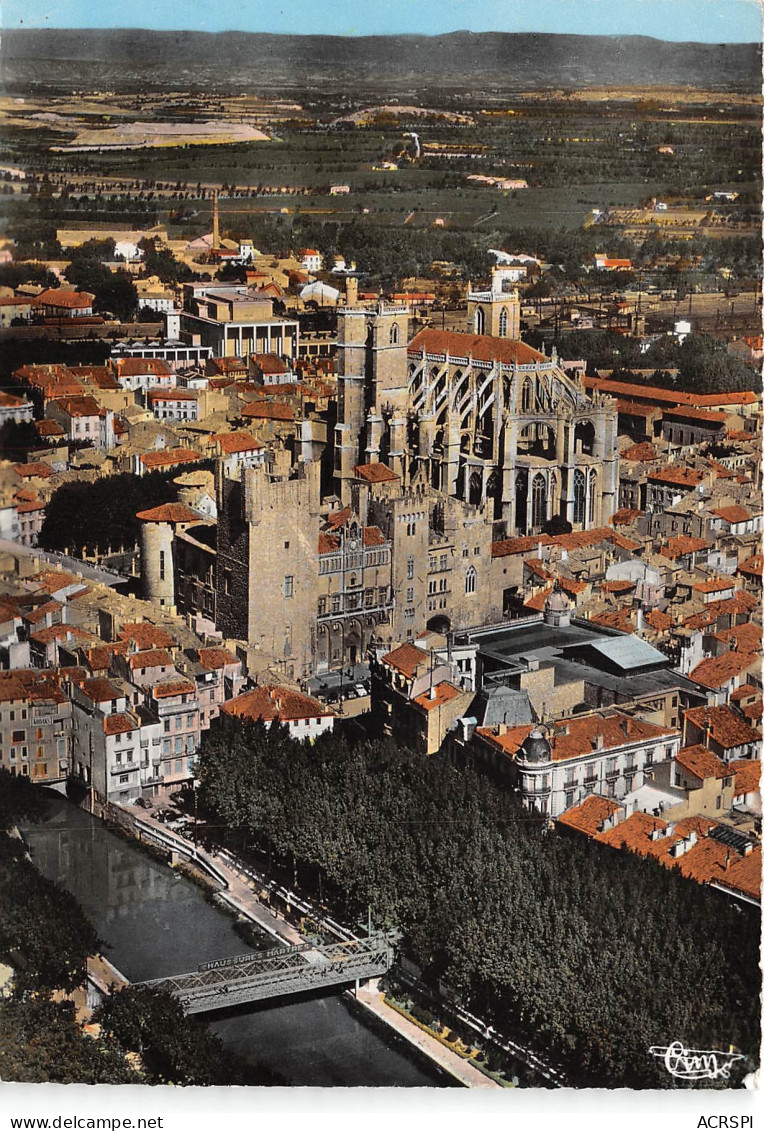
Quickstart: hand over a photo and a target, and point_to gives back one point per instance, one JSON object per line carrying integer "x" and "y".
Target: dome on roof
{"x": 557, "y": 609}
{"x": 556, "y": 602}
{"x": 536, "y": 747}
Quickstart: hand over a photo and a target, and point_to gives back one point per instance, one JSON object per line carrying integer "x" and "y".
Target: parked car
{"x": 143, "y": 802}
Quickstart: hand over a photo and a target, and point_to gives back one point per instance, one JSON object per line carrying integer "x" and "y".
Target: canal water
{"x": 155, "y": 923}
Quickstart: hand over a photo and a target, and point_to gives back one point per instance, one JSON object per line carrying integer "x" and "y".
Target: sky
{"x": 715, "y": 21}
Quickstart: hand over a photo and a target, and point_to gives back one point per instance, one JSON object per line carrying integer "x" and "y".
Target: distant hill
{"x": 490, "y": 61}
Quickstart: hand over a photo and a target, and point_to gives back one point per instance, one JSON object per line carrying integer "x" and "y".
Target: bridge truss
{"x": 277, "y": 972}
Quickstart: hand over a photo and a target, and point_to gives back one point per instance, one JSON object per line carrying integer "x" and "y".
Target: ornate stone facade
{"x": 486, "y": 420}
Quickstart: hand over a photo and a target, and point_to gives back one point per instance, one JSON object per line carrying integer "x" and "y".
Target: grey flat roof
{"x": 628, "y": 652}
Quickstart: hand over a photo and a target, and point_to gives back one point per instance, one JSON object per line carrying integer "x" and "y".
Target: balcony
{"x": 612, "y": 775}
{"x": 591, "y": 779}
{"x": 125, "y": 768}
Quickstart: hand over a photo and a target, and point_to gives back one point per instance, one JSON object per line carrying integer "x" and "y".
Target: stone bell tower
{"x": 495, "y": 312}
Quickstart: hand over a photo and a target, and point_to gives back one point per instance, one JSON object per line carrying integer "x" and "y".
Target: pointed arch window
{"x": 480, "y": 320}
{"x": 503, "y": 320}
{"x": 394, "y": 334}
{"x": 592, "y": 495}
{"x": 538, "y": 496}
{"x": 527, "y": 398}
{"x": 470, "y": 580}
{"x": 579, "y": 496}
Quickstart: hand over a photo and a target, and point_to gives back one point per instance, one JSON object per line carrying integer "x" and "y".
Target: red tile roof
{"x": 701, "y": 762}
{"x": 509, "y": 546}
{"x": 480, "y": 347}
{"x": 444, "y": 693}
{"x": 538, "y": 600}
{"x": 232, "y": 442}
{"x": 169, "y": 458}
{"x": 153, "y": 658}
{"x": 338, "y": 518}
{"x": 373, "y": 536}
{"x": 580, "y": 539}
{"x": 625, "y": 516}
{"x": 119, "y": 724}
{"x": 155, "y": 395}
{"x": 215, "y": 658}
{"x": 677, "y": 476}
{"x": 167, "y": 688}
{"x": 753, "y": 565}
{"x": 407, "y": 659}
{"x": 747, "y": 773}
{"x": 71, "y": 300}
{"x": 746, "y": 636}
{"x": 375, "y": 473}
{"x": 100, "y": 690}
{"x": 724, "y": 726}
{"x": 640, "y": 453}
{"x": 661, "y": 622}
{"x": 269, "y": 410}
{"x": 732, "y": 514}
{"x": 48, "y": 428}
{"x": 619, "y": 619}
{"x": 714, "y": 585}
{"x": 617, "y": 586}
{"x": 689, "y": 412}
{"x": 681, "y": 545}
{"x": 33, "y": 470}
{"x": 169, "y": 512}
{"x": 589, "y": 815}
{"x": 718, "y": 670}
{"x": 80, "y": 406}
{"x": 328, "y": 543}
{"x": 272, "y": 702}
{"x": 145, "y": 635}
{"x": 138, "y": 366}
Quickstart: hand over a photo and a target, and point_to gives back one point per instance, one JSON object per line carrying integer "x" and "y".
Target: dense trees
{"x": 703, "y": 362}
{"x": 102, "y": 514}
{"x": 17, "y": 440}
{"x": 580, "y": 949}
{"x": 114, "y": 292}
{"x": 163, "y": 263}
{"x": 41, "y": 1043}
{"x": 173, "y": 1048}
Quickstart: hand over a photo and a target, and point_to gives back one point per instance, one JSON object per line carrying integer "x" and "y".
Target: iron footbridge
{"x": 276, "y": 972}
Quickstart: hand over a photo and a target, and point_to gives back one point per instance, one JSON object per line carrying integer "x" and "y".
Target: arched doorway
{"x": 584, "y": 438}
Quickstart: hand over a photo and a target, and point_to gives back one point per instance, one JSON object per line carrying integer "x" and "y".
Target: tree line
{"x": 590, "y": 954}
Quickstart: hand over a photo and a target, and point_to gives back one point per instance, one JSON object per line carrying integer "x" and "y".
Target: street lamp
{"x": 194, "y": 785}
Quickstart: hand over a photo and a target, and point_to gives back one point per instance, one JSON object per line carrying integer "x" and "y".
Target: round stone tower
{"x": 157, "y": 536}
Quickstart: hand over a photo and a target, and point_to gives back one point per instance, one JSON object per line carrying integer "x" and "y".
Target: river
{"x": 155, "y": 923}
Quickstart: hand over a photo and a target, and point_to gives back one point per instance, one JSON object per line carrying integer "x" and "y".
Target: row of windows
{"x": 371, "y": 597}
